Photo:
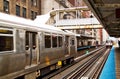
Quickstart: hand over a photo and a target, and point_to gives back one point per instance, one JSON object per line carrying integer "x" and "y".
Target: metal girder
{"x": 106, "y": 12}
{"x": 115, "y": 5}
{"x": 81, "y": 27}
{"x": 69, "y": 10}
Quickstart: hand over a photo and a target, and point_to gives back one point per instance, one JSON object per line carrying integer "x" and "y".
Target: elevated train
{"x": 28, "y": 49}
{"x": 109, "y": 43}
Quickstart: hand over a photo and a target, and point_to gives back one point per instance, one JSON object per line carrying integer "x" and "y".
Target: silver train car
{"x": 29, "y": 50}
{"x": 109, "y": 43}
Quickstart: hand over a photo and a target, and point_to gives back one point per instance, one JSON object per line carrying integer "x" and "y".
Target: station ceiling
{"x": 108, "y": 14}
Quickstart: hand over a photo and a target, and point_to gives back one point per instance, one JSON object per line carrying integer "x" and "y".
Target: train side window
{"x": 6, "y": 40}
{"x": 34, "y": 40}
{"x": 4, "y": 31}
{"x": 60, "y": 41}
{"x": 66, "y": 40}
{"x": 6, "y": 43}
{"x": 54, "y": 40}
{"x": 72, "y": 42}
{"x": 27, "y": 41}
{"x": 47, "y": 41}
{"x": 30, "y": 38}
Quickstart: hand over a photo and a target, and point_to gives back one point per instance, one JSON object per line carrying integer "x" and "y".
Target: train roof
{"x": 26, "y": 23}
{"x": 42, "y": 18}
{"x": 71, "y": 33}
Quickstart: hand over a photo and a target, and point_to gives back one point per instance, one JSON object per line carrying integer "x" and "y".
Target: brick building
{"x": 22, "y": 8}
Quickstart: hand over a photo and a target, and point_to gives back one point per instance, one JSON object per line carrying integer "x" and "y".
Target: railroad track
{"x": 90, "y": 69}
{"x": 95, "y": 70}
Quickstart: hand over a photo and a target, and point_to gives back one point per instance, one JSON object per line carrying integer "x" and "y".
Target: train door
{"x": 73, "y": 45}
{"x": 67, "y": 44}
{"x": 31, "y": 48}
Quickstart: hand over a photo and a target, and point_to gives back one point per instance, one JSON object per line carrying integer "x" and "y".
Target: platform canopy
{"x": 108, "y": 14}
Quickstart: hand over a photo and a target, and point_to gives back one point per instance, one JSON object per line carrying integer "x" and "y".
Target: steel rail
{"x": 86, "y": 63}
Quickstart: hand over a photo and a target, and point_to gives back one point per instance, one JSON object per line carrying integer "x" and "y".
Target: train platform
{"x": 84, "y": 50}
{"x": 111, "y": 69}
{"x": 83, "y": 47}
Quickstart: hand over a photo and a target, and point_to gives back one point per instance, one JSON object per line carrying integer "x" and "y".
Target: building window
{"x": 17, "y": 10}
{"x": 24, "y": 12}
{"x": 33, "y": 15}
{"x": 33, "y": 2}
{"x": 6, "y": 6}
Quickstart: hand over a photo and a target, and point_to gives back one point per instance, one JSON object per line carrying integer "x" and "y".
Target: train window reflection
{"x": 73, "y": 42}
{"x": 47, "y": 41}
{"x": 30, "y": 40}
{"x": 6, "y": 43}
{"x": 2, "y": 31}
{"x": 54, "y": 40}
{"x": 27, "y": 40}
{"x": 66, "y": 41}
{"x": 60, "y": 42}
{"x": 34, "y": 40}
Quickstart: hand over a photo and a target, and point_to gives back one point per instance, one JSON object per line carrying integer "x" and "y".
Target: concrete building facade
{"x": 48, "y": 5}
